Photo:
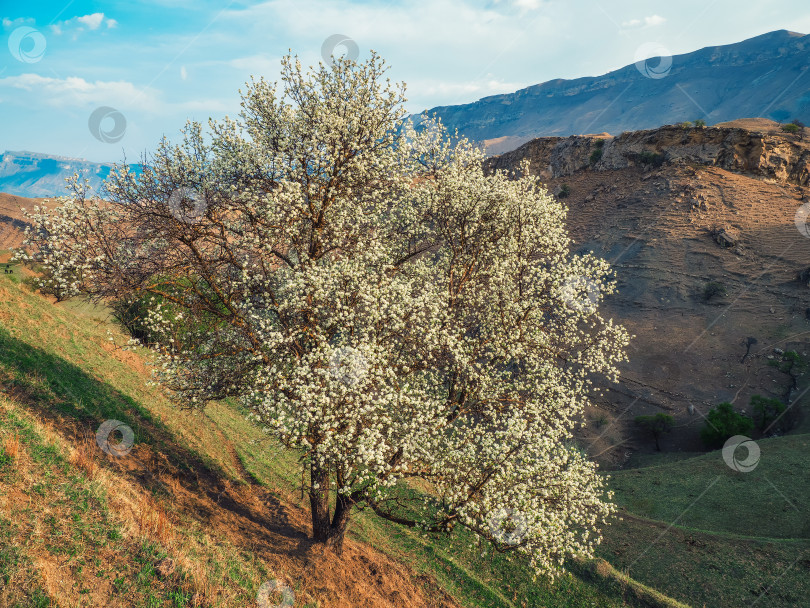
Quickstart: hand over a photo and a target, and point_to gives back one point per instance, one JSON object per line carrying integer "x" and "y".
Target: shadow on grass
{"x": 77, "y": 404}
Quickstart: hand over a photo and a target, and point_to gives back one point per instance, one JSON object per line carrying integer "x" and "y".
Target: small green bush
{"x": 656, "y": 425}
{"x": 766, "y": 410}
{"x": 565, "y": 190}
{"x": 685, "y": 124}
{"x": 700, "y": 123}
{"x": 791, "y": 128}
{"x": 596, "y": 155}
{"x": 651, "y": 158}
{"x": 723, "y": 422}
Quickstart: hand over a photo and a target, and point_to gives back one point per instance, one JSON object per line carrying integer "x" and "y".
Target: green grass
{"x": 772, "y": 501}
{"x": 702, "y": 533}
{"x": 66, "y": 519}
{"x": 53, "y": 357}
{"x": 716, "y": 570}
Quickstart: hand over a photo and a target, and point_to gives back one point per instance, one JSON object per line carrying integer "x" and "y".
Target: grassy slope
{"x": 57, "y": 361}
{"x": 739, "y": 537}
{"x": 58, "y": 357}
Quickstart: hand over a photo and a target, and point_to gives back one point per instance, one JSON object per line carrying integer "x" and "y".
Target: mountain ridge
{"x": 714, "y": 83}
{"x": 38, "y": 175}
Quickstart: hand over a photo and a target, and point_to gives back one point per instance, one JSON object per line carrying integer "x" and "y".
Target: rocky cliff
{"x": 762, "y": 153}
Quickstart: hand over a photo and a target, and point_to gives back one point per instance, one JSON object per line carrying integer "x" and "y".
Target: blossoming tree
{"x": 415, "y": 328}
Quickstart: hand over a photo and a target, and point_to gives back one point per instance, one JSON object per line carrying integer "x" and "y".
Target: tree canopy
{"x": 376, "y": 300}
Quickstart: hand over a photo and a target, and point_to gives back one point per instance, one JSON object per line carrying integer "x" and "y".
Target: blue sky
{"x": 156, "y": 63}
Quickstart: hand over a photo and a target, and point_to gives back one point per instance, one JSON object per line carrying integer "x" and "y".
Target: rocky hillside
{"x": 700, "y": 226}
{"x": 12, "y": 221}
{"x": 758, "y": 149}
{"x": 763, "y": 76}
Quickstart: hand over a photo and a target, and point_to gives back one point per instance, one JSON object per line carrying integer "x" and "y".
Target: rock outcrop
{"x": 783, "y": 158}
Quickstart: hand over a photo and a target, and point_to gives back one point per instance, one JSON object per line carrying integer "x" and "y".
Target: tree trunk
{"x": 319, "y": 502}
{"x": 327, "y": 529}
{"x": 340, "y": 521}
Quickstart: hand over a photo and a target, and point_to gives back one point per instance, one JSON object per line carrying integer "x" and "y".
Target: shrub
{"x": 651, "y": 158}
{"x": 800, "y": 126}
{"x": 565, "y": 190}
{"x": 700, "y": 123}
{"x": 656, "y": 425}
{"x": 685, "y": 124}
{"x": 596, "y": 155}
{"x": 713, "y": 289}
{"x": 723, "y": 422}
{"x": 766, "y": 410}
{"x": 791, "y": 128}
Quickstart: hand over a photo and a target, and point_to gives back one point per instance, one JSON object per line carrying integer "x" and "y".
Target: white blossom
{"x": 371, "y": 296}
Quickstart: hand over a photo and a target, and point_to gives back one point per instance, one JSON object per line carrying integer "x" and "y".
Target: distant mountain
{"x": 37, "y": 175}
{"x": 766, "y": 76}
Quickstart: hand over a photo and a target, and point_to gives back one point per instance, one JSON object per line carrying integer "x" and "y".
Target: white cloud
{"x": 650, "y": 21}
{"x": 91, "y": 21}
{"x": 528, "y": 5}
{"x": 73, "y": 92}
{"x": 77, "y": 25}
{"x": 183, "y": 73}
{"x": 476, "y": 89}
{"x": 78, "y": 92}
{"x": 452, "y": 41}
{"x": 256, "y": 64}
{"x": 7, "y": 23}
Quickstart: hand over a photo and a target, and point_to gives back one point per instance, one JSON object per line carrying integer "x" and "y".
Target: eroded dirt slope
{"x": 693, "y": 303}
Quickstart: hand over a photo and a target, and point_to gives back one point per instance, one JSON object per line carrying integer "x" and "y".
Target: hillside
{"x": 763, "y": 76}
{"x": 12, "y": 222}
{"x": 653, "y": 204}
{"x": 220, "y": 500}
{"x": 700, "y": 227}
{"x": 205, "y": 509}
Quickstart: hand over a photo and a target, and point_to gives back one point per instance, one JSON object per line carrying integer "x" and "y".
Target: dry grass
{"x": 11, "y": 446}
{"x": 84, "y": 457}
{"x": 153, "y": 521}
